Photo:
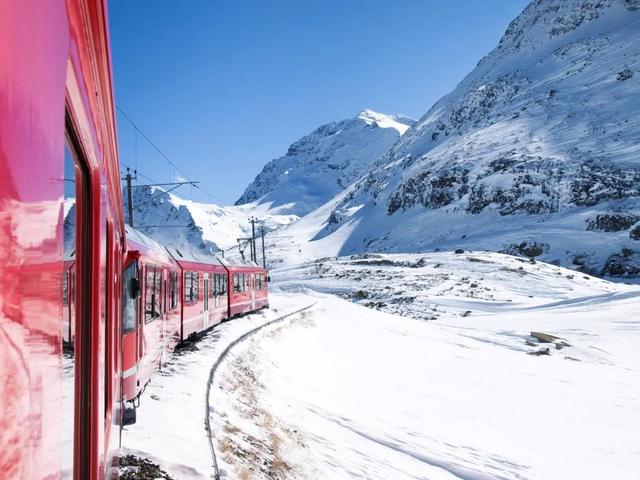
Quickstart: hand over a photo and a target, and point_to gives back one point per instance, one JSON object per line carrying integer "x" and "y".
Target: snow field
{"x": 367, "y": 394}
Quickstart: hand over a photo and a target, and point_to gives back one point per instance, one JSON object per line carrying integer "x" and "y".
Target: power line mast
{"x": 128, "y": 178}
{"x": 264, "y": 258}
{"x": 253, "y": 240}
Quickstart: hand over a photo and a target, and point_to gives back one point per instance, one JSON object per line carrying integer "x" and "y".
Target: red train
{"x": 182, "y": 295}
{"x": 120, "y": 301}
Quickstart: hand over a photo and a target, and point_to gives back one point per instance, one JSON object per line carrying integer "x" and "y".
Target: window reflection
{"x": 68, "y": 295}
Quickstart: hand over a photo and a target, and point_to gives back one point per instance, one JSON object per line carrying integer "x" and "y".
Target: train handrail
{"x": 214, "y": 368}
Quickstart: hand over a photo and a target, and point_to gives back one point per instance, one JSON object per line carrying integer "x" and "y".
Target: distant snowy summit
{"x": 322, "y": 164}
{"x": 399, "y": 122}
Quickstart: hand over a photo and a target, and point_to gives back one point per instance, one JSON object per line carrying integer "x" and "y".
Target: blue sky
{"x": 224, "y": 86}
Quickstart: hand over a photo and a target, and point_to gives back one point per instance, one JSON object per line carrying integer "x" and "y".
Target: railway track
{"x": 223, "y": 355}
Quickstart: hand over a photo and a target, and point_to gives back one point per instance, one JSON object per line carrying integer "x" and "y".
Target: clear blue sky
{"x": 224, "y": 86}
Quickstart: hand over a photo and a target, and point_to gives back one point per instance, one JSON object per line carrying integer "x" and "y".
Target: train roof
{"x": 189, "y": 258}
{"x": 147, "y": 246}
{"x": 236, "y": 263}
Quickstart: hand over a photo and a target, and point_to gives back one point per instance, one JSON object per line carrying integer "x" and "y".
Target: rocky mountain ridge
{"x": 320, "y": 165}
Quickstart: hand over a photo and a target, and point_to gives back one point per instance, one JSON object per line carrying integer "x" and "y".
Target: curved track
{"x": 214, "y": 368}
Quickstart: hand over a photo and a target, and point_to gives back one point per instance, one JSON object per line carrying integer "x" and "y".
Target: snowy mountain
{"x": 536, "y": 152}
{"x": 195, "y": 226}
{"x": 320, "y": 165}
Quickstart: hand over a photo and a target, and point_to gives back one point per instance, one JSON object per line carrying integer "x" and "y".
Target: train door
{"x": 218, "y": 289}
{"x": 131, "y": 279}
{"x": 205, "y": 299}
{"x": 140, "y": 316}
{"x": 252, "y": 286}
{"x": 164, "y": 308}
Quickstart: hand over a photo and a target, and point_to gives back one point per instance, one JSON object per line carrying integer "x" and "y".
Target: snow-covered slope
{"x": 323, "y": 163}
{"x": 195, "y": 226}
{"x": 536, "y": 151}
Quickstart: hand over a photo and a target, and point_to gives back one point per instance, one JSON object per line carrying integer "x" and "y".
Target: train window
{"x": 128, "y": 303}
{"x": 188, "y": 288}
{"x": 68, "y": 341}
{"x": 213, "y": 285}
{"x": 246, "y": 282}
{"x": 152, "y": 294}
{"x": 258, "y": 281}
{"x": 191, "y": 287}
{"x": 173, "y": 286}
{"x": 65, "y": 288}
{"x": 236, "y": 283}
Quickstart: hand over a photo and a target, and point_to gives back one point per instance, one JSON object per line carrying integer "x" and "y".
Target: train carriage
{"x": 203, "y": 292}
{"x": 151, "y": 314}
{"x": 247, "y": 286}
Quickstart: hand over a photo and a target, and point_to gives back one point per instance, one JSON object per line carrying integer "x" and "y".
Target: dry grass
{"x": 261, "y": 455}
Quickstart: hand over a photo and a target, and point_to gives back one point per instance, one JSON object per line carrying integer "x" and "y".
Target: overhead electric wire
{"x": 138, "y": 130}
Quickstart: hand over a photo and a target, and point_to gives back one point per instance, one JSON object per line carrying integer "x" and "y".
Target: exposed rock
{"x": 527, "y": 249}
{"x": 360, "y": 294}
{"x": 623, "y": 264}
{"x": 612, "y": 222}
{"x": 625, "y": 74}
{"x": 544, "y": 351}
{"x": 544, "y": 337}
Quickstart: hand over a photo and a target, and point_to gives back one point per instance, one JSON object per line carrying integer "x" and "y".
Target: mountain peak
{"x": 399, "y": 122}
{"x": 323, "y": 163}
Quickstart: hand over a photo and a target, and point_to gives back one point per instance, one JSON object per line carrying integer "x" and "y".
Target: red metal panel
{"x": 31, "y": 136}
{"x": 36, "y": 40}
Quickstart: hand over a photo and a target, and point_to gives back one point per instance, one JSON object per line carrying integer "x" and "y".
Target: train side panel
{"x": 54, "y": 64}
{"x": 32, "y": 138}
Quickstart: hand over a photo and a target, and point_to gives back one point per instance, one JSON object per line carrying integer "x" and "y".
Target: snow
{"x": 197, "y": 226}
{"x": 362, "y": 386}
{"x": 384, "y": 121}
{"x": 320, "y": 165}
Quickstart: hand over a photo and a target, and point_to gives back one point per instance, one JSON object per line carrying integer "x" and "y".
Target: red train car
{"x": 59, "y": 413}
{"x": 247, "y": 286}
{"x": 204, "y": 292}
{"x": 151, "y": 320}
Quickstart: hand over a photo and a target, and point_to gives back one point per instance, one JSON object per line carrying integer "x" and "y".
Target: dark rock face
{"x": 625, "y": 74}
{"x": 634, "y": 234}
{"x": 623, "y": 264}
{"x": 612, "y": 222}
{"x": 597, "y": 182}
{"x": 430, "y": 190}
{"x": 526, "y": 249}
